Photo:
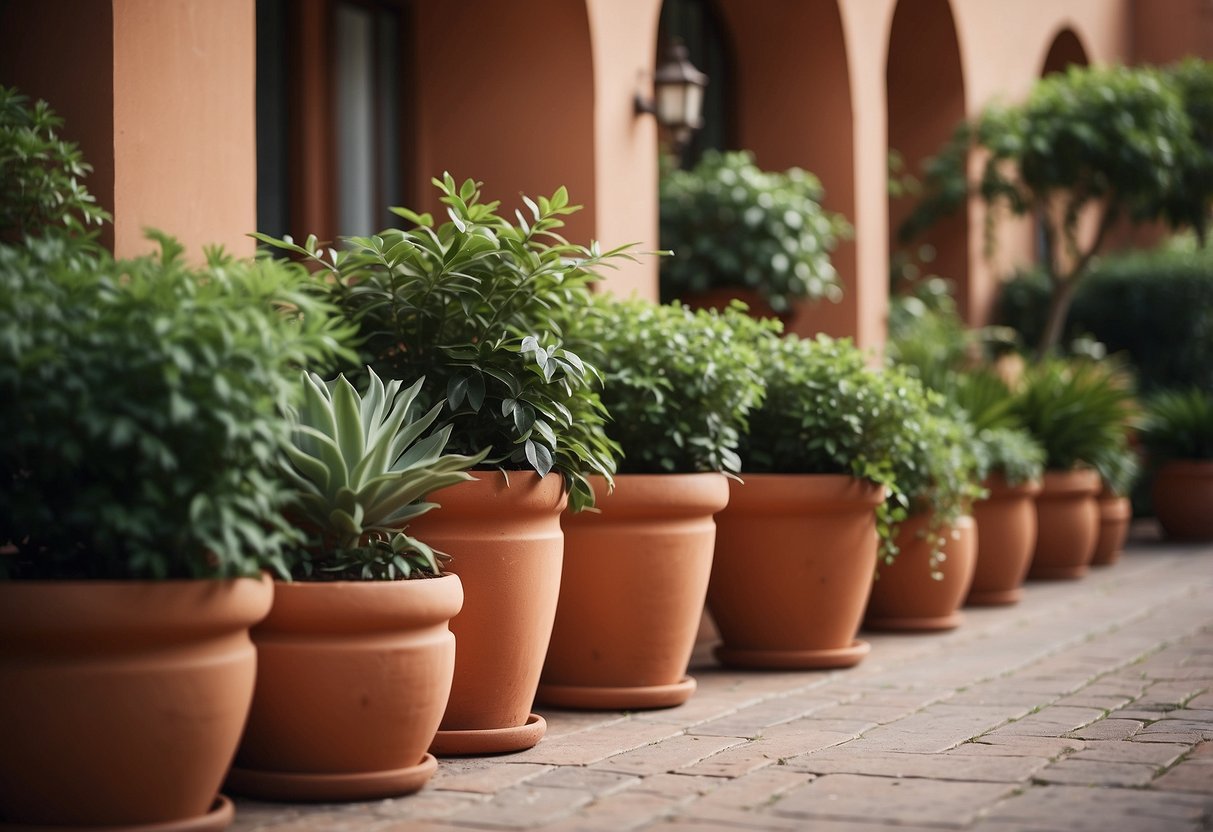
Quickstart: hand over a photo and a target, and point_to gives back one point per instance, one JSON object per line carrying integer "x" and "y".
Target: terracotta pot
{"x": 1115, "y": 514}
{"x": 1183, "y": 499}
{"x": 1067, "y": 521}
{"x": 905, "y": 596}
{"x": 793, "y": 569}
{"x": 352, "y": 682}
{"x": 506, "y": 546}
{"x": 1006, "y": 536}
{"x": 632, "y": 592}
{"x": 121, "y": 703}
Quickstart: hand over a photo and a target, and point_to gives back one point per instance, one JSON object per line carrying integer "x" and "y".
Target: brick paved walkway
{"x": 1089, "y": 706}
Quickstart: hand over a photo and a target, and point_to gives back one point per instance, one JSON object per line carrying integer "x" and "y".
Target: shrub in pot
{"x": 1178, "y": 433}
{"x": 797, "y": 544}
{"x": 363, "y": 628}
{"x": 921, "y": 584}
{"x": 1078, "y": 410}
{"x": 468, "y": 305}
{"x": 739, "y": 231}
{"x": 679, "y": 386}
{"x": 1118, "y": 469}
{"x": 144, "y": 405}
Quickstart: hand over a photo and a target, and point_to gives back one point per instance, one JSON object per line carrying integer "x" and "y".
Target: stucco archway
{"x": 792, "y": 99}
{"x": 926, "y": 100}
{"x": 1065, "y": 51}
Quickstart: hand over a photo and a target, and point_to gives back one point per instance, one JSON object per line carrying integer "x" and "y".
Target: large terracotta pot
{"x": 907, "y": 596}
{"x": 1006, "y": 536}
{"x": 506, "y": 546}
{"x": 121, "y": 703}
{"x": 1115, "y": 514}
{"x": 632, "y": 592}
{"x": 1067, "y": 521}
{"x": 352, "y": 683}
{"x": 793, "y": 569}
{"x": 1183, "y": 499}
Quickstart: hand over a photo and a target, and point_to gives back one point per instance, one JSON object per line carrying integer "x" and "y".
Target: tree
{"x": 1111, "y": 143}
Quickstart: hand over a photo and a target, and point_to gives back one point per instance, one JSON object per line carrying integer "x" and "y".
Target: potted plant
{"x": 468, "y": 305}
{"x": 144, "y": 405}
{"x": 1077, "y": 410}
{"x": 363, "y": 627}
{"x": 921, "y": 584}
{"x": 1010, "y": 465}
{"x": 739, "y": 231}
{"x": 796, "y": 546}
{"x": 1178, "y": 433}
{"x": 1118, "y": 469}
{"x": 678, "y": 385}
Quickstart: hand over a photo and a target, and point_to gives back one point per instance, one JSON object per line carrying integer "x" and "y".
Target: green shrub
{"x": 731, "y": 224}
{"x": 1155, "y": 306}
{"x": 1012, "y": 453}
{"x": 678, "y": 384}
{"x": 1178, "y": 424}
{"x": 144, "y": 405}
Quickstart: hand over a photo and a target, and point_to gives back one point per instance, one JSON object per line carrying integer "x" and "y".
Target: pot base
{"x": 475, "y": 742}
{"x": 821, "y": 659}
{"x": 617, "y": 699}
{"x": 303, "y": 787}
{"x": 926, "y": 624}
{"x": 1057, "y": 573}
{"x": 994, "y": 597}
{"x": 219, "y": 817}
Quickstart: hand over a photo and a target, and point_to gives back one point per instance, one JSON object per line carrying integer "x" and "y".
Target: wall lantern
{"x": 677, "y": 95}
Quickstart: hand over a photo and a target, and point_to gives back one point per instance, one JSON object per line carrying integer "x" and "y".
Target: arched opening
{"x": 792, "y": 107}
{"x": 1066, "y": 51}
{"x": 698, "y": 25}
{"x": 926, "y": 100}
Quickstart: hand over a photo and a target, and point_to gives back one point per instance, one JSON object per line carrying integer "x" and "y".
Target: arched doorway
{"x": 792, "y": 107}
{"x": 926, "y": 100}
{"x": 1065, "y": 51}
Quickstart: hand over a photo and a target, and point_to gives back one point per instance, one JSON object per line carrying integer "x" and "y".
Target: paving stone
{"x": 1182, "y": 730}
{"x": 623, "y": 810}
{"x": 1083, "y": 809}
{"x": 594, "y": 744}
{"x": 485, "y": 776}
{"x": 765, "y": 751}
{"x": 1097, "y": 773}
{"x": 585, "y": 779}
{"x": 752, "y": 720}
{"x": 933, "y": 802}
{"x": 668, "y": 755}
{"x": 521, "y": 807}
{"x": 1052, "y": 721}
{"x": 703, "y": 707}
{"x": 562, "y": 723}
{"x": 1108, "y": 729}
{"x": 1153, "y": 753}
{"x": 994, "y": 769}
{"x": 1194, "y": 774}
{"x": 677, "y": 786}
{"x": 756, "y": 789}
{"x": 936, "y": 728}
{"x": 1015, "y": 745}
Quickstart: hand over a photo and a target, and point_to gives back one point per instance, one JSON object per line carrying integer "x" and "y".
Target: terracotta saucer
{"x": 219, "y": 817}
{"x": 617, "y": 699}
{"x": 926, "y": 624}
{"x": 476, "y": 742}
{"x": 821, "y": 659}
{"x": 320, "y": 788}
{"x": 994, "y": 597}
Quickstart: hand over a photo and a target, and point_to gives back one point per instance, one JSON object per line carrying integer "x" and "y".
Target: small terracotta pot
{"x": 352, "y": 682}
{"x": 1115, "y": 514}
{"x": 506, "y": 545}
{"x": 1183, "y": 499}
{"x": 632, "y": 592}
{"x": 905, "y": 596}
{"x": 121, "y": 703}
{"x": 1067, "y": 520}
{"x": 1006, "y": 536}
{"x": 793, "y": 569}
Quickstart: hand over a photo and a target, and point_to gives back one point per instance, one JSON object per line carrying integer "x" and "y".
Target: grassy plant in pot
{"x": 363, "y": 628}
{"x": 144, "y": 405}
{"x": 1178, "y": 433}
{"x": 923, "y": 579}
{"x": 741, "y": 232}
{"x": 678, "y": 385}
{"x": 1078, "y": 411}
{"x": 797, "y": 544}
{"x": 468, "y": 305}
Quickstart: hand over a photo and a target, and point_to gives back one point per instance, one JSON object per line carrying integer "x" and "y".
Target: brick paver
{"x": 1088, "y": 706}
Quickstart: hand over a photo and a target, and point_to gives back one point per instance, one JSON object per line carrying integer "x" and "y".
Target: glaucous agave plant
{"x": 361, "y": 473}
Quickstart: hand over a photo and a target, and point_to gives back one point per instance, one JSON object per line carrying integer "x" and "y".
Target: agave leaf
{"x": 424, "y": 452}
{"x": 308, "y": 468}
{"x": 349, "y": 436}
{"x": 409, "y": 433}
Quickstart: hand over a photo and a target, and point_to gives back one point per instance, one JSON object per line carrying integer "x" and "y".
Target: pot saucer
{"x": 587, "y": 698}
{"x": 475, "y": 742}
{"x": 218, "y": 818}
{"x": 820, "y": 659}
{"x": 994, "y": 597}
{"x": 926, "y": 624}
{"x": 321, "y": 788}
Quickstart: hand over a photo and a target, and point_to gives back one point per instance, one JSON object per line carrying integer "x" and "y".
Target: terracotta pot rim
{"x": 780, "y": 492}
{"x": 320, "y": 607}
{"x": 525, "y": 492}
{"x": 1079, "y": 481}
{"x": 663, "y": 495}
{"x": 996, "y": 484}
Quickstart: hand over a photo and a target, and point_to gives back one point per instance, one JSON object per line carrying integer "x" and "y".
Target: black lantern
{"x": 677, "y": 95}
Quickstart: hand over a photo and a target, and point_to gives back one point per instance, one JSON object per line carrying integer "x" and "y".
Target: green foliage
{"x": 470, "y": 305}
{"x": 40, "y": 173}
{"x": 1119, "y": 468}
{"x": 1012, "y": 453}
{"x": 1187, "y": 202}
{"x": 1154, "y": 306}
{"x": 731, "y": 224}
{"x": 144, "y": 405}
{"x": 1079, "y": 411}
{"x": 1178, "y": 424}
{"x": 678, "y": 384}
{"x": 361, "y": 469}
